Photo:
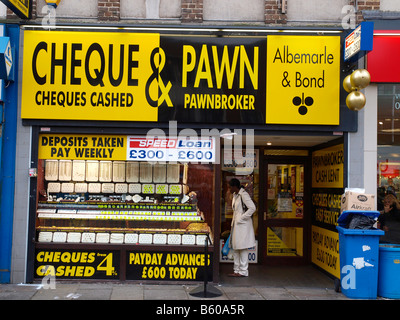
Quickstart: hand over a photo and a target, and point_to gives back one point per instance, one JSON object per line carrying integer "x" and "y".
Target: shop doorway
{"x": 285, "y": 214}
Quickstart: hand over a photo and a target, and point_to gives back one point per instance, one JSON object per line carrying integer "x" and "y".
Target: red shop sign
{"x": 383, "y": 63}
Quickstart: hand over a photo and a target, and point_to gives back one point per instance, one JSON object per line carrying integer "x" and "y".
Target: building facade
{"x": 283, "y": 164}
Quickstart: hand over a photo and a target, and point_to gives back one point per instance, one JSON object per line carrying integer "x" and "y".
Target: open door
{"x": 285, "y": 214}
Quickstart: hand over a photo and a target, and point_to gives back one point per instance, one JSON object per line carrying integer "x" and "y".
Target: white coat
{"x": 242, "y": 231}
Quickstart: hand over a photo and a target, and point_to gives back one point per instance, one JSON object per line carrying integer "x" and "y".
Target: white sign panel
{"x": 171, "y": 149}
{"x": 253, "y": 253}
{"x": 8, "y": 57}
{"x": 352, "y": 43}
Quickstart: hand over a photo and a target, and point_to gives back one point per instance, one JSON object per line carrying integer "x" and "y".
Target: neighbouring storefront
{"x": 135, "y": 135}
{"x": 383, "y": 68}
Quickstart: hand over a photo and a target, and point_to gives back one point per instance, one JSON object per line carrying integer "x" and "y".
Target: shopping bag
{"x": 225, "y": 249}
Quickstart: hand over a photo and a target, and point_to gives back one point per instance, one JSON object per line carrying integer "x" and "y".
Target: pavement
{"x": 264, "y": 283}
{"x": 133, "y": 291}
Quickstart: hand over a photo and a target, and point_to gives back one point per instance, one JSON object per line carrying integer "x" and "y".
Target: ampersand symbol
{"x": 155, "y": 76}
{"x": 285, "y": 81}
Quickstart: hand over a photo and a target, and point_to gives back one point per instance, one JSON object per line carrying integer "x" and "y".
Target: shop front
{"x": 135, "y": 135}
{"x": 383, "y": 68}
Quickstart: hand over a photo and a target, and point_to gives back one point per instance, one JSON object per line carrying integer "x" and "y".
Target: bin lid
{"x": 389, "y": 247}
{"x": 346, "y": 215}
{"x": 360, "y": 232}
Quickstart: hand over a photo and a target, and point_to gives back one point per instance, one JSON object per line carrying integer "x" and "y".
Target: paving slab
{"x": 274, "y": 293}
{"x": 164, "y": 292}
{"x": 90, "y": 294}
{"x": 130, "y": 292}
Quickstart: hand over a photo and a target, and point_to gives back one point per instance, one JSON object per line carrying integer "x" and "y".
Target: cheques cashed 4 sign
{"x": 77, "y": 264}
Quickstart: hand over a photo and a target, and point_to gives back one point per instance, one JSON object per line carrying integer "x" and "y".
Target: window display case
{"x": 118, "y": 202}
{"x": 122, "y": 208}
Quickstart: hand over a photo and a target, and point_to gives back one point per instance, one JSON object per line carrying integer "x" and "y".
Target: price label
{"x": 188, "y": 149}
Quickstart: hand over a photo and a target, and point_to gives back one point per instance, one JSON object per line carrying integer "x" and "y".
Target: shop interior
{"x": 277, "y": 184}
{"x": 125, "y": 202}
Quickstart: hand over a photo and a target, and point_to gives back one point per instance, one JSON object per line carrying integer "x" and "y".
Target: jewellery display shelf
{"x": 117, "y": 202}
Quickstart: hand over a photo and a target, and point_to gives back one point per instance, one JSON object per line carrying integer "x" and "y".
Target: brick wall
{"x": 108, "y": 10}
{"x": 364, "y": 5}
{"x": 192, "y": 11}
{"x": 274, "y": 13}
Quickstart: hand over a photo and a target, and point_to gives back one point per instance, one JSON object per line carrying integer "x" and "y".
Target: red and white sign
{"x": 352, "y": 43}
{"x": 175, "y": 149}
{"x": 141, "y": 142}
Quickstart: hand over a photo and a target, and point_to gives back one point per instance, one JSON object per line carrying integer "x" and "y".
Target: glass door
{"x": 284, "y": 214}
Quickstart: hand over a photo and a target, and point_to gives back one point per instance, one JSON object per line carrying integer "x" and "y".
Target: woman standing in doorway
{"x": 242, "y": 231}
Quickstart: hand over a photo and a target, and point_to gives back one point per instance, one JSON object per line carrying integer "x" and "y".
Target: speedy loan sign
{"x": 173, "y": 149}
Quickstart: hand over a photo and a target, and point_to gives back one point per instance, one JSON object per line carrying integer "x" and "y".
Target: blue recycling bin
{"x": 359, "y": 258}
{"x": 389, "y": 271}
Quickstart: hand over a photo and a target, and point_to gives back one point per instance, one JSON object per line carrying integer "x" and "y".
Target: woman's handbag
{"x": 226, "y": 248}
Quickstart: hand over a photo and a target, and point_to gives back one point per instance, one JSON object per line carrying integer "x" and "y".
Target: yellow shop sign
{"x": 90, "y": 76}
{"x": 325, "y": 250}
{"x": 328, "y": 167}
{"x": 303, "y": 80}
{"x": 82, "y": 147}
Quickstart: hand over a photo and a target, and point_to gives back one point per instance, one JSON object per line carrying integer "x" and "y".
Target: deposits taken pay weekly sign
{"x": 120, "y": 147}
{"x": 157, "y": 78}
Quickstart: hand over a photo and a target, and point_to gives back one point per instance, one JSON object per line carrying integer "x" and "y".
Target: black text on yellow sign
{"x": 328, "y": 167}
{"x": 327, "y": 206}
{"x": 303, "y": 80}
{"x": 23, "y": 8}
{"x": 89, "y": 76}
{"x": 82, "y": 147}
{"x": 129, "y": 76}
{"x": 77, "y": 264}
{"x": 213, "y": 70}
{"x": 325, "y": 250}
{"x": 168, "y": 266}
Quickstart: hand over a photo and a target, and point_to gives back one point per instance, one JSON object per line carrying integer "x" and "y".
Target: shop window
{"x": 315, "y": 10}
{"x": 118, "y": 201}
{"x": 233, "y": 10}
{"x": 150, "y": 9}
{"x": 388, "y": 141}
{"x": 285, "y": 190}
{"x": 390, "y": 5}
